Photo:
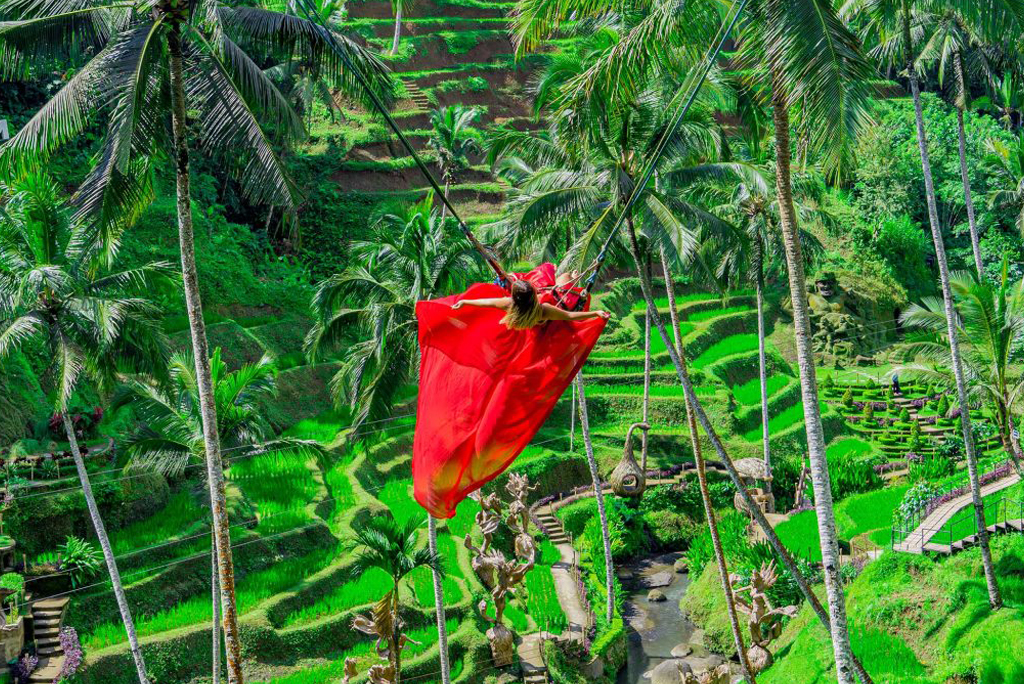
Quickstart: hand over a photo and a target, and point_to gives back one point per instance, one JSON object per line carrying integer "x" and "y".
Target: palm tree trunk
{"x": 108, "y": 553}
{"x": 716, "y": 540}
{"x": 820, "y": 481}
{"x": 645, "y": 410}
{"x": 398, "y": 26}
{"x": 670, "y": 293}
{"x": 995, "y": 600}
{"x": 444, "y": 207}
{"x": 609, "y": 570}
{"x": 698, "y": 457}
{"x": 197, "y": 328}
{"x": 702, "y": 417}
{"x": 442, "y": 628}
{"x": 215, "y": 625}
{"x": 958, "y": 65}
{"x": 762, "y": 364}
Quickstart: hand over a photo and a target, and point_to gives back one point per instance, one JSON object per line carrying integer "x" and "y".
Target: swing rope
{"x": 313, "y": 18}
{"x": 680, "y": 114}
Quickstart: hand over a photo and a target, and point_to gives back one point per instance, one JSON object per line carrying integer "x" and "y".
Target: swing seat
{"x": 486, "y": 390}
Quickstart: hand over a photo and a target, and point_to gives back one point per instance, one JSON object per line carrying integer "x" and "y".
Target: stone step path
{"x": 918, "y": 541}
{"x": 47, "y": 619}
{"x": 417, "y": 96}
{"x": 531, "y": 659}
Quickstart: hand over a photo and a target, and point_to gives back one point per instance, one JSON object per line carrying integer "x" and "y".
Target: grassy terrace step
{"x": 447, "y": 50}
{"x": 426, "y": 26}
{"x": 498, "y": 74}
{"x": 399, "y": 174}
{"x": 464, "y": 9}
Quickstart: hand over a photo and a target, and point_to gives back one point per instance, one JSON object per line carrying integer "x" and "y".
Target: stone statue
{"x": 386, "y": 625}
{"x": 487, "y": 519}
{"x": 350, "y": 670}
{"x": 519, "y": 513}
{"x": 763, "y": 620}
{"x": 504, "y": 575}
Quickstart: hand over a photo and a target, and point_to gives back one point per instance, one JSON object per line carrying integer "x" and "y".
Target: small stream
{"x": 658, "y": 631}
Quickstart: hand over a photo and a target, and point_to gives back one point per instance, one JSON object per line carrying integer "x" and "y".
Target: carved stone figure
{"x": 487, "y": 519}
{"x": 519, "y": 513}
{"x": 503, "y": 575}
{"x": 386, "y": 625}
{"x": 350, "y": 670}
{"x": 764, "y": 621}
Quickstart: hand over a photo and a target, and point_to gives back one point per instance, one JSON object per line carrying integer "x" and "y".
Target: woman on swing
{"x": 523, "y": 308}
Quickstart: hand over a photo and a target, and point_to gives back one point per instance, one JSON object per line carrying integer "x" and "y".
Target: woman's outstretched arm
{"x": 553, "y": 313}
{"x": 493, "y": 302}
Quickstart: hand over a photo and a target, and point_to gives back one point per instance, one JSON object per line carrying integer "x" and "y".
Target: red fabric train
{"x": 485, "y": 390}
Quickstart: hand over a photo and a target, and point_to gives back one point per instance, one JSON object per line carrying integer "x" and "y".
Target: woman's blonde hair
{"x": 526, "y": 311}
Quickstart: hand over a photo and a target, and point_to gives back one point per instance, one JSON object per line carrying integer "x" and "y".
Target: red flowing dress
{"x": 485, "y": 390}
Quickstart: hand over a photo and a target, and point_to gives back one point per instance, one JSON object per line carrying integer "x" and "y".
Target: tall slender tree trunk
{"x": 108, "y": 553}
{"x": 709, "y": 509}
{"x": 958, "y": 65}
{"x": 702, "y": 417}
{"x": 595, "y": 476}
{"x": 215, "y": 596}
{"x": 442, "y": 627}
{"x": 762, "y": 362}
{"x": 444, "y": 207}
{"x": 670, "y": 294}
{"x": 820, "y": 481}
{"x": 197, "y": 328}
{"x": 646, "y": 405}
{"x": 398, "y": 26}
{"x": 995, "y": 600}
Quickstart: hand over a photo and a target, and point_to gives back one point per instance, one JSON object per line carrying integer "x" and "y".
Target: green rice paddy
{"x": 736, "y": 344}
{"x": 749, "y": 393}
{"x": 280, "y": 485}
{"x": 251, "y": 590}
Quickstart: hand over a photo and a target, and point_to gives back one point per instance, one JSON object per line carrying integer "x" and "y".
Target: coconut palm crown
{"x": 235, "y": 109}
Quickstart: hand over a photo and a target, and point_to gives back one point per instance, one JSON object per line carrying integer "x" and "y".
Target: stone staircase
{"x": 417, "y": 96}
{"x": 47, "y": 620}
{"x": 551, "y": 526}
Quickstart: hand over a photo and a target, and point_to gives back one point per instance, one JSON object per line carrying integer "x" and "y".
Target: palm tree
{"x": 1007, "y": 98}
{"x": 954, "y": 38}
{"x": 895, "y": 23}
{"x": 172, "y": 435}
{"x": 453, "y": 141}
{"x": 137, "y": 78}
{"x": 991, "y": 317}
{"x": 408, "y": 256}
{"x": 57, "y": 292}
{"x": 172, "y": 432}
{"x": 750, "y": 252}
{"x": 803, "y": 54}
{"x": 386, "y": 545}
{"x": 1006, "y": 162}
